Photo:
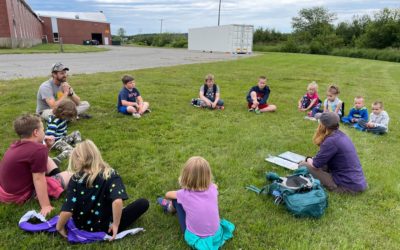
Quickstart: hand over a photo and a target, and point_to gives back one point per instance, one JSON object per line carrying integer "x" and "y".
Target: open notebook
{"x": 287, "y": 160}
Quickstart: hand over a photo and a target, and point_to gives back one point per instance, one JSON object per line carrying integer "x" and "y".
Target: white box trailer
{"x": 232, "y": 38}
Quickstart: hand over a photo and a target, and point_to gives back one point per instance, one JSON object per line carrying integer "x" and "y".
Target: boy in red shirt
{"x": 26, "y": 169}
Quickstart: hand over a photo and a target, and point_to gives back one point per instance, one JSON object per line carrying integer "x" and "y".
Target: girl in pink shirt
{"x": 196, "y": 205}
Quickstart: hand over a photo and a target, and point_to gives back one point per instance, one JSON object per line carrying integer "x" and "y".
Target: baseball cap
{"x": 330, "y": 120}
{"x": 58, "y": 67}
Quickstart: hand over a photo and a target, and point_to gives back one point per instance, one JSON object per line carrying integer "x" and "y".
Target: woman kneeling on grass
{"x": 336, "y": 164}
{"x": 95, "y": 193}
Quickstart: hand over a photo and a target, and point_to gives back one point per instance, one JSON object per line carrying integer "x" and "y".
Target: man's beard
{"x": 62, "y": 79}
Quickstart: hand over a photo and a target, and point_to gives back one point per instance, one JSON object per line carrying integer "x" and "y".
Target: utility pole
{"x": 219, "y": 11}
{"x": 161, "y": 20}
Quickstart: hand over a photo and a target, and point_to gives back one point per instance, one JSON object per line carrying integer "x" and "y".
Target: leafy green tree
{"x": 313, "y": 22}
{"x": 383, "y": 31}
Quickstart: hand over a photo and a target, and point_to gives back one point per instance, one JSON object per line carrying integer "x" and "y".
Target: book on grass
{"x": 287, "y": 160}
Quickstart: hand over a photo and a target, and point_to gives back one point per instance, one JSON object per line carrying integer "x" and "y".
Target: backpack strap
{"x": 205, "y": 89}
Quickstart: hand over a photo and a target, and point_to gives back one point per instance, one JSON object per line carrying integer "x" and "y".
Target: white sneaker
{"x": 309, "y": 118}
{"x": 136, "y": 115}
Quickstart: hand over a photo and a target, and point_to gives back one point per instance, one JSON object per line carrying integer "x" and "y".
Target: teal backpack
{"x": 302, "y": 195}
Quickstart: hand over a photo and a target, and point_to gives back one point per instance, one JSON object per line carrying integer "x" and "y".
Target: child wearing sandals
{"x": 95, "y": 195}
{"x": 196, "y": 205}
{"x": 310, "y": 102}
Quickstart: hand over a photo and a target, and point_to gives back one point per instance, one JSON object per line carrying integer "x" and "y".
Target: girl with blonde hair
{"x": 95, "y": 195}
{"x": 336, "y": 164}
{"x": 196, "y": 204}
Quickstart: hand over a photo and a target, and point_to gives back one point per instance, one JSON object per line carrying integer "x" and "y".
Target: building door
{"x": 98, "y": 37}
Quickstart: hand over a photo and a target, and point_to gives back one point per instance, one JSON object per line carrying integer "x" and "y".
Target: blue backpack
{"x": 302, "y": 195}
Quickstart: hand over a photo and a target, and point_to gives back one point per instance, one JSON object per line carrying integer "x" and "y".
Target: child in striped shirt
{"x": 57, "y": 125}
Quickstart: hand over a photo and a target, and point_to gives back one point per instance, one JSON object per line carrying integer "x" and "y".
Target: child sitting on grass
{"x": 209, "y": 95}
{"x": 258, "y": 96}
{"x": 378, "y": 122}
{"x": 57, "y": 125}
{"x": 26, "y": 171}
{"x": 310, "y": 101}
{"x": 129, "y": 99}
{"x": 332, "y": 102}
{"x": 196, "y": 204}
{"x": 359, "y": 111}
{"x": 95, "y": 195}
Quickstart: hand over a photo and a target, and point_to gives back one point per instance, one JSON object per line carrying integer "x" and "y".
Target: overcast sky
{"x": 143, "y": 16}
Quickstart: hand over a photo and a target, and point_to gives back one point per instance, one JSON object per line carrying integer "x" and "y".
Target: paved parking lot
{"x": 116, "y": 59}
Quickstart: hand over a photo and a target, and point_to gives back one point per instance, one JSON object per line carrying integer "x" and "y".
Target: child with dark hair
{"x": 57, "y": 126}
{"x": 130, "y": 102}
{"x": 26, "y": 170}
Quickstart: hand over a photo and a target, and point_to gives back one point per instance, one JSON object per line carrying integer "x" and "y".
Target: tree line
{"x": 314, "y": 32}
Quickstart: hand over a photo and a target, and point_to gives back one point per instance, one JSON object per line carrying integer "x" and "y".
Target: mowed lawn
{"x": 149, "y": 152}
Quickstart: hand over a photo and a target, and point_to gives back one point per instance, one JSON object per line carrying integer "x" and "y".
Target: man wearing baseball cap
{"x": 336, "y": 164}
{"x": 56, "y": 89}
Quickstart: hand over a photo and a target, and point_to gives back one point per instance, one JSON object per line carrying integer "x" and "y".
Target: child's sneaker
{"x": 195, "y": 102}
{"x": 166, "y": 205}
{"x": 136, "y": 115}
{"x": 257, "y": 111}
{"x": 358, "y": 127}
{"x": 309, "y": 118}
{"x": 220, "y": 107}
{"x": 148, "y": 111}
{"x": 251, "y": 110}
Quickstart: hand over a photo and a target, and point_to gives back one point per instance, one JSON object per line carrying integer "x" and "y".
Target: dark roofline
{"x": 30, "y": 9}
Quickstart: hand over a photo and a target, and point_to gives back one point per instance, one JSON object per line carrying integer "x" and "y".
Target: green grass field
{"x": 150, "y": 152}
{"x": 53, "y": 48}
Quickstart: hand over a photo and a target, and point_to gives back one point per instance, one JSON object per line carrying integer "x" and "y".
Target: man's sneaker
{"x": 195, "y": 102}
{"x": 136, "y": 115}
{"x": 166, "y": 205}
{"x": 220, "y": 107}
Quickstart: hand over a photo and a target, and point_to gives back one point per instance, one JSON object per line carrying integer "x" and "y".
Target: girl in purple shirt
{"x": 196, "y": 205}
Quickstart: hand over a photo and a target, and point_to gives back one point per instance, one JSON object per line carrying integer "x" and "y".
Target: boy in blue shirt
{"x": 359, "y": 111}
{"x": 130, "y": 100}
{"x": 258, "y": 96}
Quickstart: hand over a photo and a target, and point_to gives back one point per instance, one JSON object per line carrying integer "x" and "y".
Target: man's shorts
{"x": 260, "y": 106}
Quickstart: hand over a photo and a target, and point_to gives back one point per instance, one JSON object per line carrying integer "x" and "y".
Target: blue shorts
{"x": 123, "y": 110}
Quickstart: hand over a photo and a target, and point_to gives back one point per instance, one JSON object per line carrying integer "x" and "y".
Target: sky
{"x": 144, "y": 16}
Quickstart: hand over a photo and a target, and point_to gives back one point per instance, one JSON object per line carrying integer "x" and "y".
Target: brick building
{"x": 74, "y": 27}
{"x": 20, "y": 26}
